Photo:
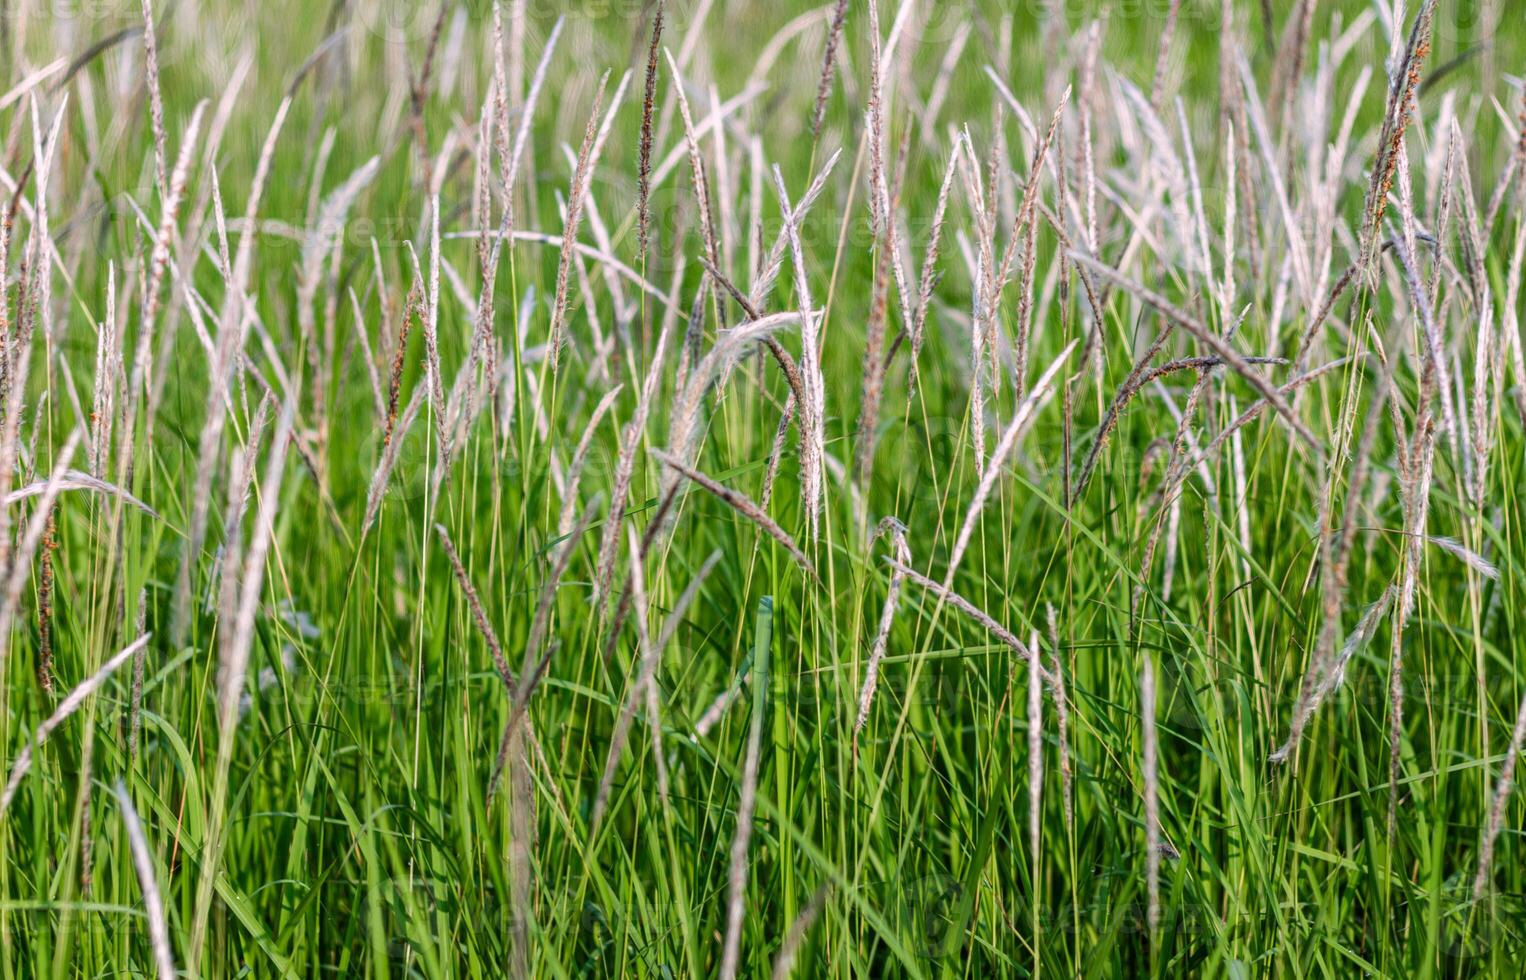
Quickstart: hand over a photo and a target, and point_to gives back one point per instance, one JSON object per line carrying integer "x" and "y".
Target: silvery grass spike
{"x": 743, "y": 505}
{"x": 684, "y": 429}
{"x": 782, "y": 357}
{"x": 644, "y": 152}
{"x": 731, "y": 946}
{"x": 537, "y": 654}
{"x": 1010, "y": 437}
{"x": 1256, "y": 120}
{"x": 625, "y": 464}
{"x": 1210, "y": 339}
{"x": 763, "y": 281}
{"x": 1337, "y": 674}
{"x": 78, "y": 480}
{"x": 66, "y": 707}
{"x": 959, "y": 602}
{"x": 1024, "y": 230}
{"x": 1151, "y": 780}
{"x": 784, "y": 960}
{"x": 1502, "y": 788}
{"x": 148, "y": 883}
{"x": 232, "y": 321}
{"x": 812, "y": 421}
{"x": 24, "y": 551}
{"x": 1404, "y": 80}
{"x": 33, "y": 293}
{"x": 929, "y": 269}
{"x": 897, "y": 533}
{"x": 155, "y": 97}
{"x": 706, "y": 205}
{"x": 580, "y": 458}
{"x": 1335, "y": 552}
{"x": 1062, "y": 714}
{"x": 164, "y": 241}
{"x": 1036, "y": 682}
{"x": 527, "y": 110}
{"x": 585, "y": 165}
{"x": 828, "y": 66}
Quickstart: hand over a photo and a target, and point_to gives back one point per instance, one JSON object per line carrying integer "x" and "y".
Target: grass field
{"x": 882, "y": 488}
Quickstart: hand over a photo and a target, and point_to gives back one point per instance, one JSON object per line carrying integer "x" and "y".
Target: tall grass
{"x": 916, "y": 489}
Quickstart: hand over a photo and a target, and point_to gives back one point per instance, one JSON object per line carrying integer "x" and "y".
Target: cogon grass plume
{"x": 418, "y": 90}
{"x": 474, "y": 603}
{"x": 18, "y": 347}
{"x": 434, "y": 371}
{"x": 580, "y": 460}
{"x": 139, "y": 664}
{"x": 1027, "y": 221}
{"x": 1416, "y": 484}
{"x": 871, "y": 389}
{"x": 929, "y": 268}
{"x": 886, "y": 253}
{"x": 706, "y": 206}
{"x": 389, "y": 457}
{"x": 684, "y": 416}
{"x": 813, "y": 409}
{"x": 767, "y": 275}
{"x": 107, "y": 376}
{"x": 85, "y": 795}
{"x": 776, "y": 453}
{"x": 155, "y": 97}
{"x": 163, "y": 246}
{"x": 781, "y": 356}
{"x": 1163, "y": 57}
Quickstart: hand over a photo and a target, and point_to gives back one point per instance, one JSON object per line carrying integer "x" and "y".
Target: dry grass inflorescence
{"x": 681, "y": 488}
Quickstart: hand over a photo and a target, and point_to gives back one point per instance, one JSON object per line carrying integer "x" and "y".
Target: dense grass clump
{"x": 688, "y": 489}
